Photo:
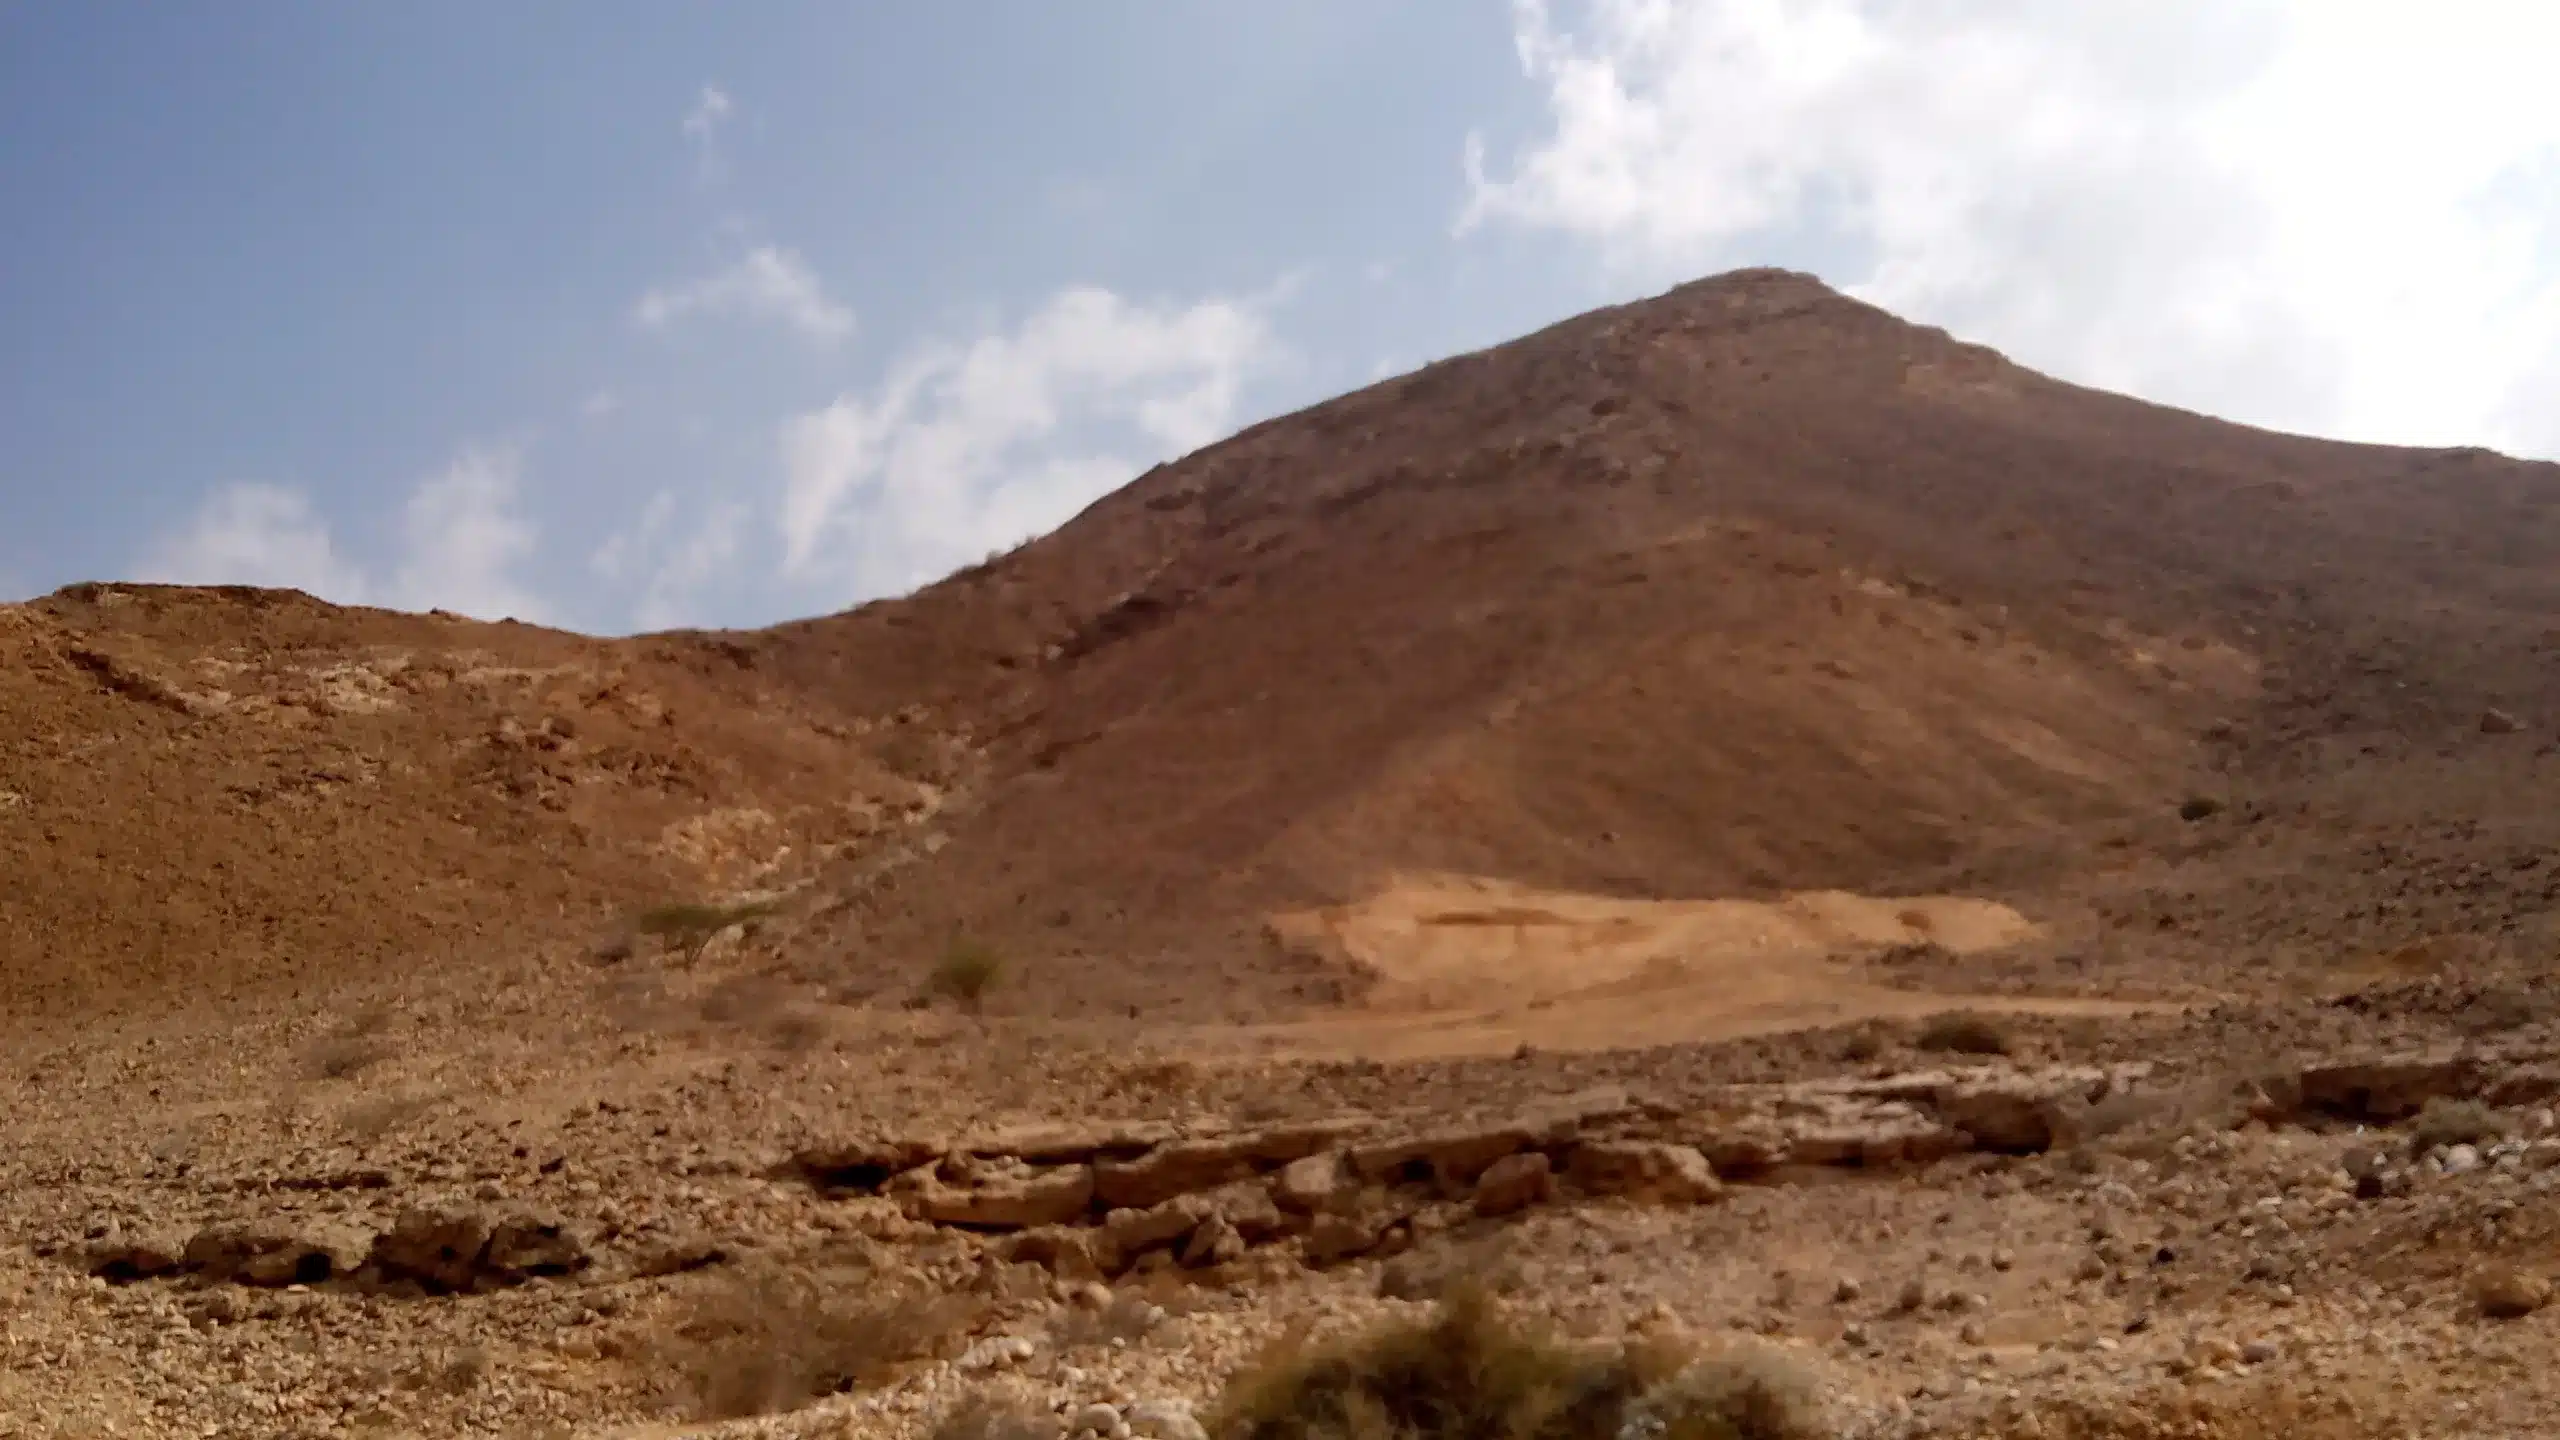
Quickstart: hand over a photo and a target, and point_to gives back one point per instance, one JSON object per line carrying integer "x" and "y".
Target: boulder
{"x": 2382, "y": 1091}
{"x": 1070, "y": 1252}
{"x": 1066, "y": 1144}
{"x": 1514, "y": 1182}
{"x": 1314, "y": 1185}
{"x": 1645, "y": 1170}
{"x": 1177, "y": 1168}
{"x": 863, "y": 1164}
{"x": 273, "y": 1256}
{"x": 1215, "y": 1242}
{"x": 122, "y": 1258}
{"x": 1017, "y": 1199}
{"x": 1246, "y": 1206}
{"x": 437, "y": 1249}
{"x": 1134, "y": 1232}
{"x": 531, "y": 1247}
{"x": 2005, "y": 1115}
{"x": 1340, "y": 1237}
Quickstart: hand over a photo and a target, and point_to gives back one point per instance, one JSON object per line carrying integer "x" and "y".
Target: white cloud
{"x": 460, "y": 540}
{"x": 965, "y": 448}
{"x": 711, "y": 109}
{"x": 701, "y": 128}
{"x": 766, "y": 283}
{"x": 253, "y": 534}
{"x": 668, "y": 563}
{"x": 600, "y": 404}
{"x": 2333, "y": 215}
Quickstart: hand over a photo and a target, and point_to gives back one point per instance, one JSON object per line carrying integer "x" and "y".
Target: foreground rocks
{"x": 441, "y": 1252}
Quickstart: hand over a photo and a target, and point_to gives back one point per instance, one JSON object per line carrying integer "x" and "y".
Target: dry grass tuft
{"x": 353, "y": 1048}
{"x": 1469, "y": 1371}
{"x": 1963, "y": 1032}
{"x": 765, "y": 1343}
{"x": 1127, "y": 1318}
{"x": 965, "y": 973}
{"x": 689, "y": 927}
{"x": 375, "y": 1116}
{"x": 984, "y": 1417}
{"x": 2455, "y": 1122}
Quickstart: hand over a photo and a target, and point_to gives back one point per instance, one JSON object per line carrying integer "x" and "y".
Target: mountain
{"x": 1744, "y": 590}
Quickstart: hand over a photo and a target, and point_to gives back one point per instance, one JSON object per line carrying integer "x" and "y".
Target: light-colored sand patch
{"x": 1469, "y": 966}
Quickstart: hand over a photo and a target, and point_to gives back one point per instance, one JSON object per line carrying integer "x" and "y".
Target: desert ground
{"x": 1736, "y": 867}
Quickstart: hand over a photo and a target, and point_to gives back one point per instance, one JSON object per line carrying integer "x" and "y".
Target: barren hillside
{"x": 210, "y": 792}
{"x": 1744, "y": 589}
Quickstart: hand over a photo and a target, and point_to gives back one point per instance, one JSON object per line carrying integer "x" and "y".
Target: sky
{"x": 637, "y": 315}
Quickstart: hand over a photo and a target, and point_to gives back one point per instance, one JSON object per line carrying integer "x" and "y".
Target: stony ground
{"x": 597, "y": 1200}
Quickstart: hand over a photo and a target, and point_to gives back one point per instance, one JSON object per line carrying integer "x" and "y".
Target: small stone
{"x": 2461, "y": 1159}
{"x": 1095, "y": 1297}
{"x": 2510, "y": 1294}
{"x": 1847, "y": 1290}
{"x": 1914, "y": 1296}
{"x": 2494, "y": 721}
{"x": 1164, "y": 1420}
{"x": 2258, "y": 1352}
{"x": 1094, "y": 1419}
{"x": 997, "y": 1352}
{"x": 1971, "y": 1333}
{"x": 1855, "y": 1337}
{"x": 2003, "y": 1261}
{"x": 1513, "y": 1183}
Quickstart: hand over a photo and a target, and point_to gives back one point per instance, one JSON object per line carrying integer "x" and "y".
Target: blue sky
{"x": 643, "y": 314}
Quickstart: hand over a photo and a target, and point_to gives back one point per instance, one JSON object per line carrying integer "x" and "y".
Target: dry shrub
{"x": 1963, "y": 1032}
{"x": 2455, "y": 1122}
{"x": 1440, "y": 1271}
{"x": 745, "y": 1000}
{"x": 774, "y": 1341}
{"x": 1468, "y": 1372}
{"x": 689, "y": 927}
{"x": 967, "y": 970}
{"x": 375, "y": 1116}
{"x": 458, "y": 1373}
{"x": 1126, "y": 1317}
{"x": 980, "y": 1416}
{"x": 351, "y": 1049}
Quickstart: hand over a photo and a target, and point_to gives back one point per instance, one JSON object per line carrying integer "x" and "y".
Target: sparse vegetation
{"x": 984, "y": 1417}
{"x": 375, "y": 1116}
{"x": 1963, "y": 1032}
{"x": 967, "y": 970}
{"x": 2455, "y": 1122}
{"x": 774, "y": 1341}
{"x": 1126, "y": 1317}
{"x": 689, "y": 927}
{"x": 1471, "y": 1372}
{"x": 351, "y": 1049}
